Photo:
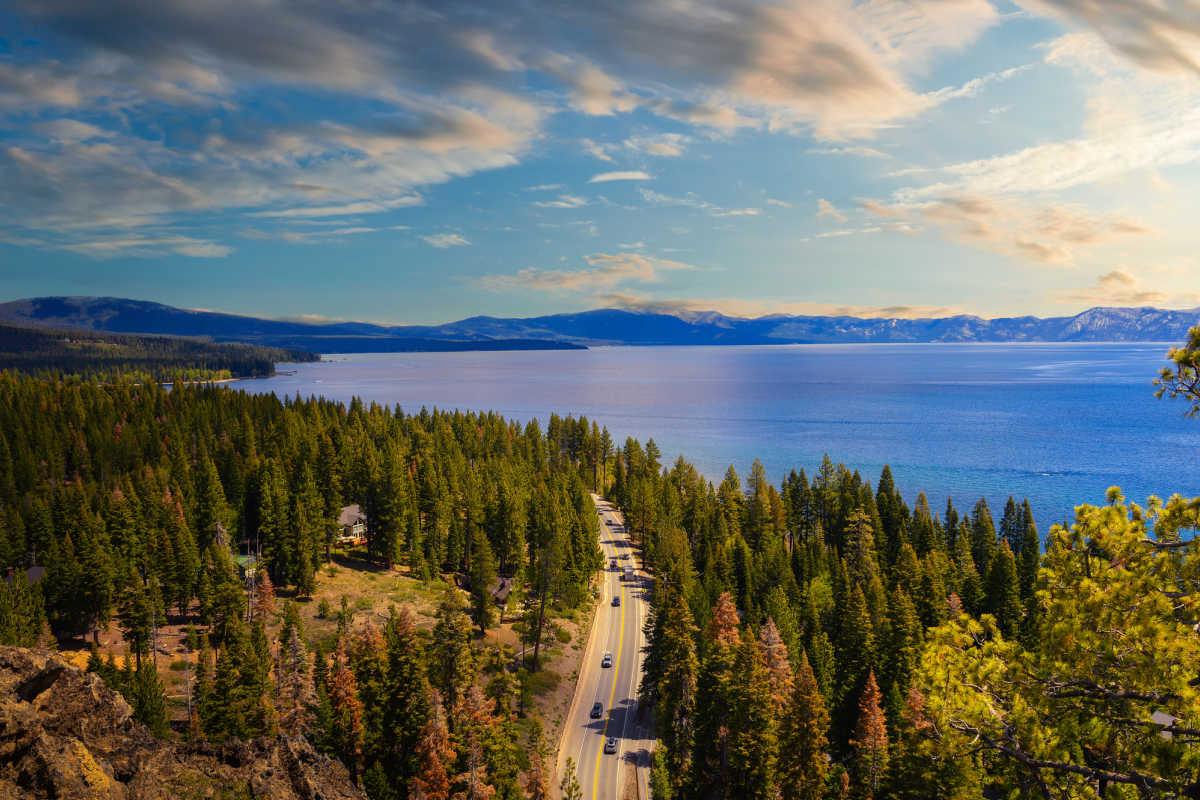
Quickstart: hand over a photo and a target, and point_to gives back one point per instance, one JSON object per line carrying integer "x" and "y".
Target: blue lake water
{"x": 1057, "y": 423}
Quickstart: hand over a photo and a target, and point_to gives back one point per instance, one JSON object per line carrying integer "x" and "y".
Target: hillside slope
{"x": 65, "y": 734}
{"x": 151, "y": 357}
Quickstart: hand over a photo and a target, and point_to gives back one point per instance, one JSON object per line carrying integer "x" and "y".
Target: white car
{"x": 606, "y": 662}
{"x": 610, "y": 746}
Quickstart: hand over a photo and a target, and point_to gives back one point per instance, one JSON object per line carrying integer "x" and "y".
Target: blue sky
{"x": 423, "y": 162}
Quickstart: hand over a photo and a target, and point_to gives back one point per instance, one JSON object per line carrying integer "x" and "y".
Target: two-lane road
{"x": 617, "y": 631}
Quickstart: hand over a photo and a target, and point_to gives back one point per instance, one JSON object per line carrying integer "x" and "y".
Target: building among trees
{"x": 352, "y": 527}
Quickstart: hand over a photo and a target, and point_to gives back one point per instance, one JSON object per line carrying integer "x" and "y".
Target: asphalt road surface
{"x": 617, "y": 630}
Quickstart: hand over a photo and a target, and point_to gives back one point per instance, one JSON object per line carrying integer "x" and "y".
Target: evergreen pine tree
{"x": 983, "y": 537}
{"x": 22, "y": 613}
{"x": 920, "y": 768}
{"x": 855, "y": 654}
{"x": 537, "y": 780}
{"x": 434, "y": 753}
{"x": 293, "y": 674}
{"x": 452, "y": 666}
{"x": 904, "y": 647}
{"x": 712, "y": 769}
{"x": 346, "y": 728}
{"x": 145, "y": 691}
{"x": 1004, "y": 592}
{"x": 803, "y": 763}
{"x": 136, "y": 619}
{"x": 753, "y": 743}
{"x": 483, "y": 576}
{"x": 570, "y": 782}
{"x": 662, "y": 782}
{"x": 406, "y": 702}
{"x": 671, "y": 686}
{"x": 779, "y": 667}
{"x": 870, "y": 742}
{"x": 1027, "y": 552}
{"x": 970, "y": 584}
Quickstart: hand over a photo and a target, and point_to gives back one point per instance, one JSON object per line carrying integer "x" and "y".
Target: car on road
{"x": 614, "y": 563}
{"x": 616, "y": 600}
{"x": 610, "y": 746}
{"x": 606, "y": 662}
{"x": 597, "y": 710}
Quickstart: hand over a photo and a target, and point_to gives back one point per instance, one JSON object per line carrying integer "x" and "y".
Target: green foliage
{"x": 239, "y": 704}
{"x": 803, "y": 766}
{"x": 109, "y": 356}
{"x": 22, "y": 614}
{"x": 1075, "y": 713}
{"x": 1182, "y": 378}
{"x": 144, "y": 691}
{"x": 570, "y": 782}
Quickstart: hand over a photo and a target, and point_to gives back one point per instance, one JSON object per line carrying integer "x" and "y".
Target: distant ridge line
{"x": 608, "y": 326}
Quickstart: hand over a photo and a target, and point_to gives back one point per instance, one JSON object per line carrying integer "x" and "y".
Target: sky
{"x": 419, "y": 162}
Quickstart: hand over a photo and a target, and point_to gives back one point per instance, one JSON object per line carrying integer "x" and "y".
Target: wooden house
{"x": 352, "y": 527}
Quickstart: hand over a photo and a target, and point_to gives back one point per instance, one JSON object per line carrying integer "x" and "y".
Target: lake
{"x": 1057, "y": 423}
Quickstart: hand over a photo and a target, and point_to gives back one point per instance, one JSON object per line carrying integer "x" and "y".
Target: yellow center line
{"x": 612, "y": 695}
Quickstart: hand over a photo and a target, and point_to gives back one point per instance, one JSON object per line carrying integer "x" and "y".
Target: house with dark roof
{"x": 352, "y": 527}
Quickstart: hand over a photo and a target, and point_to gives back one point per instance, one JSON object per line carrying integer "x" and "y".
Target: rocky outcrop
{"x": 65, "y": 734}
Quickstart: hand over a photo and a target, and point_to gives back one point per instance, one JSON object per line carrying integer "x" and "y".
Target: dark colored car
{"x": 616, "y": 600}
{"x": 597, "y": 710}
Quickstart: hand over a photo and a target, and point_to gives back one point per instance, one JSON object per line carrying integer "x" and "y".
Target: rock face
{"x": 65, "y": 734}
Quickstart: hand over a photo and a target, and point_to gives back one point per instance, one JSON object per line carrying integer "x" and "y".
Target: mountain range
{"x": 592, "y": 328}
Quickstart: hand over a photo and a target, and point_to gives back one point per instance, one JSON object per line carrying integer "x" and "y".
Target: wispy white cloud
{"x": 563, "y": 201}
{"x": 854, "y": 150}
{"x": 146, "y": 245}
{"x": 973, "y": 87}
{"x": 1120, "y": 287}
{"x": 604, "y": 271}
{"x": 692, "y": 200}
{"x": 1052, "y": 235}
{"x": 593, "y": 91}
{"x": 623, "y": 175}
{"x": 1137, "y": 121}
{"x": 344, "y": 209}
{"x": 828, "y": 209}
{"x": 597, "y": 150}
{"x": 443, "y": 240}
{"x": 669, "y": 145}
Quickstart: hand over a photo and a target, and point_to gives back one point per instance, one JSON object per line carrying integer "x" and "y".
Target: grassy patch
{"x": 542, "y": 682}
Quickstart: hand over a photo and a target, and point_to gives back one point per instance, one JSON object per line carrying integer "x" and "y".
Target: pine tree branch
{"x": 1009, "y": 747}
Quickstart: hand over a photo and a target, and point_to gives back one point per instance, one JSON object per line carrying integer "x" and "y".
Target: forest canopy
{"x": 818, "y": 638}
{"x": 106, "y": 356}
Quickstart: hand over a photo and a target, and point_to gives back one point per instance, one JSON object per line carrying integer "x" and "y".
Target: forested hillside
{"x": 106, "y": 356}
{"x": 135, "y": 500}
